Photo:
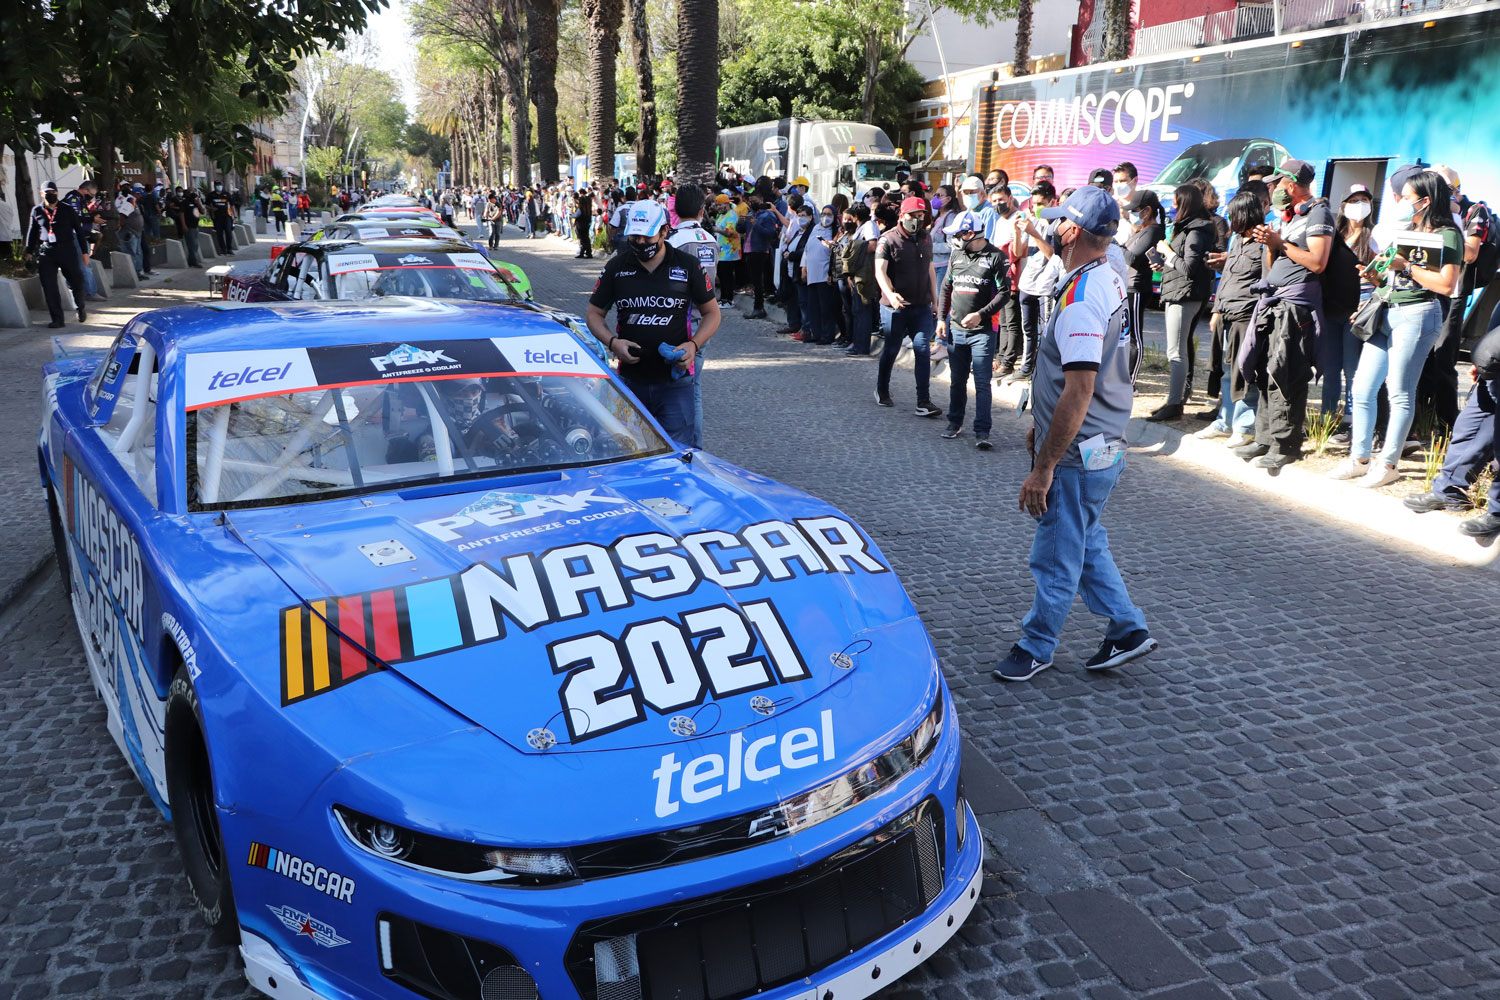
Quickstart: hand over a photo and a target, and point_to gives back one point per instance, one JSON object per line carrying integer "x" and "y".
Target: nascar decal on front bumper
{"x": 711, "y": 775}
{"x": 340, "y": 887}
{"x": 328, "y": 643}
{"x": 307, "y": 925}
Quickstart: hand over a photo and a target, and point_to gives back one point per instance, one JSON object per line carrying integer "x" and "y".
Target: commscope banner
{"x": 1394, "y": 91}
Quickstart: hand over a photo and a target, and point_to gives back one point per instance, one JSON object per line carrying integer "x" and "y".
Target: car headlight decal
{"x": 454, "y": 858}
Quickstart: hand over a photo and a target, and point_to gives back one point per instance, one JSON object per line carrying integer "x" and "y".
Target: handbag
{"x": 1367, "y": 319}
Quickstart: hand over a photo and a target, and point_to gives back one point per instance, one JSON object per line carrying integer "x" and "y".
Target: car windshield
{"x": 426, "y": 276}
{"x": 877, "y": 171}
{"x": 1209, "y": 160}
{"x": 329, "y": 442}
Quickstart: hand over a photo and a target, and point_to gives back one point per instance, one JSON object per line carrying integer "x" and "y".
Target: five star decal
{"x": 308, "y": 925}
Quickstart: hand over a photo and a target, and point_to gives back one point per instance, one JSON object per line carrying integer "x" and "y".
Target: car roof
{"x": 228, "y": 326}
{"x": 387, "y": 244}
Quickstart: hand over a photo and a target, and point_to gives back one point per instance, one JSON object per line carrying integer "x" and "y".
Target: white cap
{"x": 644, "y": 218}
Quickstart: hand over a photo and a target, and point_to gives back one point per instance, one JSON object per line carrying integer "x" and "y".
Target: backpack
{"x": 1340, "y": 281}
{"x": 859, "y": 266}
{"x": 1485, "y": 265}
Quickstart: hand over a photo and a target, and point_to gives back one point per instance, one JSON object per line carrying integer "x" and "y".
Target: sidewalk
{"x": 1377, "y": 512}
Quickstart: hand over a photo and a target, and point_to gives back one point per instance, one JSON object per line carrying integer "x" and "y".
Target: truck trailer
{"x": 847, "y": 157}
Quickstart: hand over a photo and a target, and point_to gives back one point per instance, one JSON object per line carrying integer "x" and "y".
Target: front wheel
{"x": 195, "y": 815}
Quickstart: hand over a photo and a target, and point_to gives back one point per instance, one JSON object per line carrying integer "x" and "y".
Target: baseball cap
{"x": 722, "y": 199}
{"x": 1143, "y": 198}
{"x": 1298, "y": 170}
{"x": 1091, "y": 209}
{"x": 644, "y": 218}
{"x": 803, "y": 181}
{"x": 965, "y": 222}
{"x": 973, "y": 182}
{"x": 912, "y": 204}
{"x": 51, "y": 186}
{"x": 1402, "y": 174}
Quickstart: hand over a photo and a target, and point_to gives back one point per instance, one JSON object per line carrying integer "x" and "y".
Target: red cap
{"x": 914, "y": 205}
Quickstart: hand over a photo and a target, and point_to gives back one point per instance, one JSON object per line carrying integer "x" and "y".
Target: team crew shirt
{"x": 1087, "y": 330}
{"x": 651, "y": 307}
{"x": 692, "y": 238}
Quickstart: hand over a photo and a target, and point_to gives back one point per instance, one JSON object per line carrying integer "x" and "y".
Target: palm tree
{"x": 645, "y": 84}
{"x": 1117, "y": 34}
{"x": 603, "y": 18}
{"x": 697, "y": 89}
{"x": 1023, "y": 38}
{"x": 541, "y": 72}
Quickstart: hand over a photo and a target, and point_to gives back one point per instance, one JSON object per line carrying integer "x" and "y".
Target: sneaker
{"x": 1411, "y": 446}
{"x": 883, "y": 398}
{"x": 56, "y": 324}
{"x": 1169, "y": 411}
{"x": 1424, "y": 503}
{"x": 1019, "y": 666}
{"x": 1210, "y": 432}
{"x": 982, "y": 442}
{"x": 758, "y": 314}
{"x": 926, "y": 409}
{"x": 1239, "y": 440}
{"x": 1251, "y": 451}
{"x": 1015, "y": 377}
{"x": 1379, "y": 475}
{"x": 1273, "y": 460}
{"x": 1482, "y": 526}
{"x": 784, "y": 330}
{"x": 1113, "y": 652}
{"x": 83, "y": 315}
{"x": 798, "y": 337}
{"x": 1212, "y": 414}
{"x": 1342, "y": 439}
{"x": 1349, "y": 469}
{"x": 951, "y": 432}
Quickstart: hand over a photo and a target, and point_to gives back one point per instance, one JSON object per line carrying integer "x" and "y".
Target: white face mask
{"x": 1122, "y": 188}
{"x": 1357, "y": 211}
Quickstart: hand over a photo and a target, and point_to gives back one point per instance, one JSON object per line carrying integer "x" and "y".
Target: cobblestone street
{"x": 1295, "y": 797}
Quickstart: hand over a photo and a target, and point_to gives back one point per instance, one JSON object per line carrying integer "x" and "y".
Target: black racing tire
{"x": 195, "y": 814}
{"x": 59, "y": 542}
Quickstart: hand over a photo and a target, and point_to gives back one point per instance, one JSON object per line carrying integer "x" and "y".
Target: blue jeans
{"x": 671, "y": 403}
{"x": 698, "y": 360}
{"x": 1235, "y": 417}
{"x": 978, "y": 356}
{"x": 820, "y": 324}
{"x": 918, "y": 323}
{"x": 864, "y": 319}
{"x": 130, "y": 243}
{"x": 1392, "y": 357}
{"x": 1341, "y": 366}
{"x": 1070, "y": 556}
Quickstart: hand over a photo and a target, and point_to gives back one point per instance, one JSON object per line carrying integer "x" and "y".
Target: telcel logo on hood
{"x": 711, "y": 775}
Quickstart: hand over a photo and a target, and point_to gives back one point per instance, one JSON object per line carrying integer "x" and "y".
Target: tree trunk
{"x": 872, "y": 78}
{"x": 697, "y": 90}
{"x": 541, "y": 59}
{"x": 604, "y": 44}
{"x": 513, "y": 85}
{"x": 1117, "y": 33}
{"x": 645, "y": 88}
{"x": 25, "y": 195}
{"x": 1023, "y": 38}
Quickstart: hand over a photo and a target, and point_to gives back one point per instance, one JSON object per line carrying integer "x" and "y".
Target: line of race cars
{"x": 457, "y": 679}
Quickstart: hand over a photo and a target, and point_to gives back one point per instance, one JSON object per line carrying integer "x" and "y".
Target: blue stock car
{"x": 456, "y": 679}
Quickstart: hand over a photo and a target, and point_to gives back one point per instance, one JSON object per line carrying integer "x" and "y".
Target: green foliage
{"x": 821, "y": 78}
{"x": 426, "y": 145}
{"x": 324, "y": 162}
{"x": 1321, "y": 427}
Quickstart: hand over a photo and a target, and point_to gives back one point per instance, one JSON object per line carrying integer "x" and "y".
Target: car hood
{"x": 630, "y": 606}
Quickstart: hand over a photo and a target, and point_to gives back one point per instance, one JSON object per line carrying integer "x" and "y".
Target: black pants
{"x": 585, "y": 248}
{"x": 729, "y": 274}
{"x": 1281, "y": 417}
{"x": 758, "y": 269}
{"x": 846, "y": 312}
{"x": 1012, "y": 338}
{"x": 1476, "y": 433}
{"x": 494, "y": 234}
{"x": 223, "y": 235}
{"x": 790, "y": 300}
{"x": 1031, "y": 328}
{"x": 71, "y": 266}
{"x": 1437, "y": 387}
{"x": 1136, "y": 304}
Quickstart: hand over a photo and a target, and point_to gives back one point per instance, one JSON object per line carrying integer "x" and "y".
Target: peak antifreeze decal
{"x": 717, "y": 650}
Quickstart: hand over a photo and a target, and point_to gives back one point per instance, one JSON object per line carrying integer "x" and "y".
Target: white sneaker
{"x": 1380, "y": 474}
{"x": 1350, "y": 469}
{"x": 1210, "y": 432}
{"x": 1239, "y": 440}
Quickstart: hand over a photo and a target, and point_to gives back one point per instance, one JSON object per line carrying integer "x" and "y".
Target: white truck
{"x": 847, "y": 157}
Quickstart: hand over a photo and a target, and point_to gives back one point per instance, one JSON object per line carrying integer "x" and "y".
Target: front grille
{"x": 761, "y": 936}
{"x": 442, "y": 965}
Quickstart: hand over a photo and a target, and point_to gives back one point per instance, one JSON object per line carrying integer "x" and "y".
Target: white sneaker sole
{"x": 1125, "y": 656}
{"x": 1036, "y": 669}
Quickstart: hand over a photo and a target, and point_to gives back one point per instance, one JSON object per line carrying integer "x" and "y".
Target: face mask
{"x": 827, "y": 220}
{"x": 1357, "y": 211}
{"x": 937, "y": 204}
{"x": 913, "y": 226}
{"x": 644, "y": 251}
{"x": 1135, "y": 218}
{"x": 850, "y": 227}
{"x": 1122, "y": 188}
{"x": 974, "y": 245}
{"x": 973, "y": 201}
{"x": 52, "y": 197}
{"x": 1405, "y": 211}
{"x": 218, "y": 187}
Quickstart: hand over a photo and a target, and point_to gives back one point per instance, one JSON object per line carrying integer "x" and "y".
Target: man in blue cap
{"x": 1081, "y": 398}
{"x": 976, "y": 285}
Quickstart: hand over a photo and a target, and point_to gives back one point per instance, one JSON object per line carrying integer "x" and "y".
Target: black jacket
{"x": 64, "y": 227}
{"x": 1187, "y": 277}
{"x": 1243, "y": 266}
{"x": 1135, "y": 252}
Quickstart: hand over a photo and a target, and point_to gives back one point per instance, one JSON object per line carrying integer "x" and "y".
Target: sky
{"x": 396, "y": 49}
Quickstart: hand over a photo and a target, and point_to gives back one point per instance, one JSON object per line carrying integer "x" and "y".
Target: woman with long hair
{"x": 1185, "y": 284}
{"x": 1341, "y": 348}
{"x": 1234, "y": 305}
{"x": 1414, "y": 313}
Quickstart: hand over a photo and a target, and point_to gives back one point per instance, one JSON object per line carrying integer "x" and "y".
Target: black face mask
{"x": 975, "y": 246}
{"x": 644, "y": 251}
{"x": 52, "y": 197}
{"x": 849, "y": 227}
